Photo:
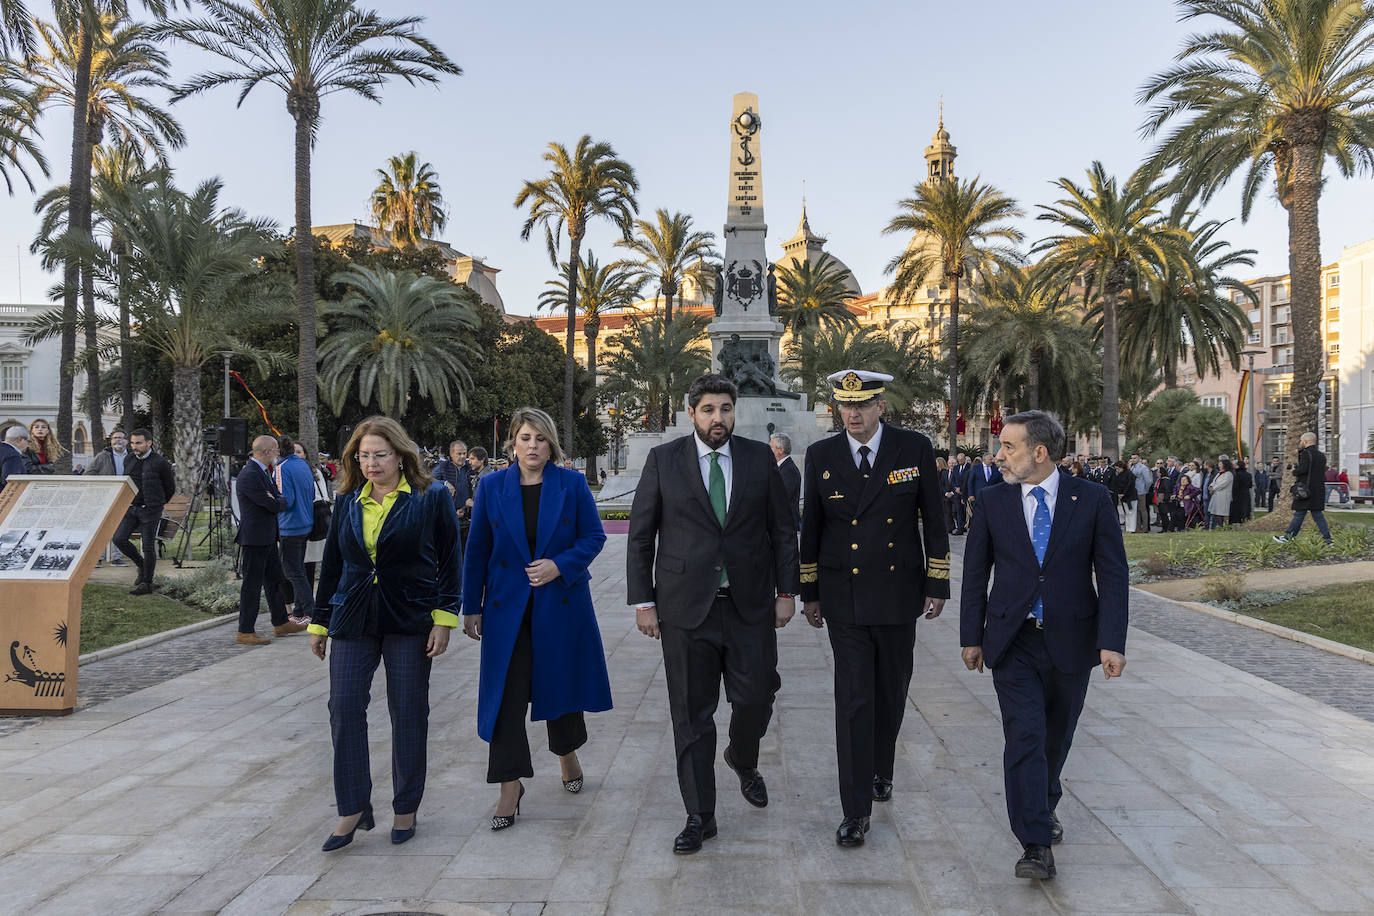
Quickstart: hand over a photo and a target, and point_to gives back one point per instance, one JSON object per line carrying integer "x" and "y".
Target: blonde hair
{"x": 941, "y": 464}
{"x": 51, "y": 447}
{"x": 351, "y": 473}
{"x": 543, "y": 425}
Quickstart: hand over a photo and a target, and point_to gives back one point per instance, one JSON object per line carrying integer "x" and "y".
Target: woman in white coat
{"x": 1220, "y": 505}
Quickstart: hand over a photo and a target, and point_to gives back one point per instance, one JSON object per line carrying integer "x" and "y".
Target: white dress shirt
{"x": 726, "y": 466}
{"x": 871, "y": 443}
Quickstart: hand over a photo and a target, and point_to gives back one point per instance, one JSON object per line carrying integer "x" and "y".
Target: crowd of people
{"x": 1168, "y": 495}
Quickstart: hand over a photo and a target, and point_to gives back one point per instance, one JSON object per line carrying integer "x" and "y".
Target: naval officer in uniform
{"x": 874, "y": 558}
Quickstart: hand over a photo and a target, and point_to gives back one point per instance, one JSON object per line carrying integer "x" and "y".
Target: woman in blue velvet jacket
{"x": 390, "y": 590}
{"x": 527, "y": 596}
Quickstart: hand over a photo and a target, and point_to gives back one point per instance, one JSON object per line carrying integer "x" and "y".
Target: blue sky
{"x": 849, "y": 94}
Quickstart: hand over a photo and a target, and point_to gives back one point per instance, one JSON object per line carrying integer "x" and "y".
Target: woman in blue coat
{"x": 527, "y": 596}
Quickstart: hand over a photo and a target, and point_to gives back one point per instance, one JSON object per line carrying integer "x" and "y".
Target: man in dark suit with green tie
{"x": 711, "y": 567}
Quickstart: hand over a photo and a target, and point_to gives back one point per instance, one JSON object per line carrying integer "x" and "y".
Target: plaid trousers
{"x": 352, "y": 662}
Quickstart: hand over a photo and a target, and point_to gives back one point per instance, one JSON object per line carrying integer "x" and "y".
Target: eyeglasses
{"x": 364, "y": 457}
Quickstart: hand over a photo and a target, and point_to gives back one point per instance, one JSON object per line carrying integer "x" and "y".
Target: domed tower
{"x": 808, "y": 246}
{"x": 940, "y": 155}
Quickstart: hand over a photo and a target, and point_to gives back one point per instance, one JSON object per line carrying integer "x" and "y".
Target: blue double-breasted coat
{"x": 569, "y": 661}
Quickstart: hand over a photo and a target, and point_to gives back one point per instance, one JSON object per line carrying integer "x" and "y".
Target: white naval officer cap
{"x": 853, "y": 386}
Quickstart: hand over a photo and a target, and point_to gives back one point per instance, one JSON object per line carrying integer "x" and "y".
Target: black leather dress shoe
{"x": 851, "y": 832}
{"x": 1056, "y": 830}
{"x": 1037, "y": 862}
{"x": 882, "y": 788}
{"x": 750, "y": 783}
{"x": 691, "y": 837}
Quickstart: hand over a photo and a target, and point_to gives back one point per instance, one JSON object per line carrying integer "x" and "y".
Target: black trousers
{"x": 949, "y": 514}
{"x": 745, "y": 654}
{"x": 960, "y": 513}
{"x": 508, "y": 757}
{"x": 261, "y": 567}
{"x": 293, "y": 569}
{"x": 1040, "y": 707}
{"x": 873, "y": 666}
{"x": 147, "y": 535}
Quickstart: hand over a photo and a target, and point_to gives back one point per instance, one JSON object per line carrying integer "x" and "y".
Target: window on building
{"x": 1281, "y": 292}
{"x": 1333, "y": 281}
{"x": 1214, "y": 400}
{"x": 1254, "y": 337}
{"x": 11, "y": 381}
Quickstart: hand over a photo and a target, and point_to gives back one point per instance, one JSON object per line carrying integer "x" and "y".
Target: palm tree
{"x": 917, "y": 382}
{"x": 600, "y": 290}
{"x": 18, "y": 129}
{"x": 1022, "y": 329}
{"x": 193, "y": 272}
{"x": 670, "y": 250}
{"x": 1183, "y": 311}
{"x": 16, "y": 29}
{"x": 960, "y": 228}
{"x": 1282, "y": 85}
{"x": 589, "y": 182}
{"x": 119, "y": 169}
{"x": 1112, "y": 235}
{"x": 124, "y": 60}
{"x": 84, "y": 19}
{"x": 408, "y": 201}
{"x": 652, "y": 361}
{"x": 811, "y": 296}
{"x": 396, "y": 331}
{"x": 308, "y": 49}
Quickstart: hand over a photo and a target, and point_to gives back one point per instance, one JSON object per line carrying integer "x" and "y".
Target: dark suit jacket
{"x": 1085, "y": 541}
{"x": 155, "y": 481}
{"x": 791, "y": 480}
{"x": 958, "y": 479}
{"x": 259, "y": 503}
{"x": 1312, "y": 470}
{"x": 11, "y": 462}
{"x": 418, "y": 568}
{"x": 976, "y": 482}
{"x": 680, "y": 573}
{"x": 872, "y": 551}
{"x": 450, "y": 473}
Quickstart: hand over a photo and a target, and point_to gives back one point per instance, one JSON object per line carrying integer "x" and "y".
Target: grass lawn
{"x": 1338, "y": 612}
{"x": 110, "y": 616}
{"x": 1140, "y": 546}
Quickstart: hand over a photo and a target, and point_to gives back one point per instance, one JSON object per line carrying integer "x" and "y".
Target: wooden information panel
{"x": 53, "y": 529}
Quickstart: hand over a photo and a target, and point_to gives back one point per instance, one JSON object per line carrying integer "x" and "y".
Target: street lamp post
{"x": 226, "y": 354}
{"x": 1250, "y": 381}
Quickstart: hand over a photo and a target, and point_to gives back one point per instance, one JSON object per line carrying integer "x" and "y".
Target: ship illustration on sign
{"x": 26, "y": 671}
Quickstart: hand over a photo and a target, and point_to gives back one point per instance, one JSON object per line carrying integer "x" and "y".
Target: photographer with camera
{"x": 1309, "y": 490}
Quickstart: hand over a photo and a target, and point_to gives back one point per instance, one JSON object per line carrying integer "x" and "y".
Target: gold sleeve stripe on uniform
{"x": 937, "y": 574}
{"x": 812, "y": 576}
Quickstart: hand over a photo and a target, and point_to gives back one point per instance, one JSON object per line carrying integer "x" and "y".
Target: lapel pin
{"x": 1074, "y": 498}
{"x": 825, "y": 476}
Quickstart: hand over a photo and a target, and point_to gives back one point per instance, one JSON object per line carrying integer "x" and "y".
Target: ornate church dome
{"x": 807, "y": 246}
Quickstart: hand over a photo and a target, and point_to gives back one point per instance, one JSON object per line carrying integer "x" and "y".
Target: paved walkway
{"x": 1272, "y": 580}
{"x": 1193, "y": 787}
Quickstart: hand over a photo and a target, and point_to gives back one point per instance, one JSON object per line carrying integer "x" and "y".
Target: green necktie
{"x": 717, "y": 490}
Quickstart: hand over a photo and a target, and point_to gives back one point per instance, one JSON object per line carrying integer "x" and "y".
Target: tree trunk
{"x": 569, "y": 368}
{"x": 126, "y": 354}
{"x": 1305, "y": 268}
{"x": 307, "y": 394}
{"x": 666, "y": 418}
{"x": 95, "y": 402}
{"x": 1033, "y": 381}
{"x": 1170, "y": 374}
{"x": 590, "y": 332}
{"x": 953, "y": 364}
{"x": 1111, "y": 372}
{"x": 80, "y": 184}
{"x": 188, "y": 448}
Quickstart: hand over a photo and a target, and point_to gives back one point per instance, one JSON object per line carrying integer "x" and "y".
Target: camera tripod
{"x": 211, "y": 493}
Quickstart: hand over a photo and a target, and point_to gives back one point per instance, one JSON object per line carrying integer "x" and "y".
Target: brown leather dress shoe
{"x": 288, "y": 628}
{"x": 251, "y": 639}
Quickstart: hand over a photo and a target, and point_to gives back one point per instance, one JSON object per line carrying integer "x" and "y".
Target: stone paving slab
{"x": 1193, "y": 787}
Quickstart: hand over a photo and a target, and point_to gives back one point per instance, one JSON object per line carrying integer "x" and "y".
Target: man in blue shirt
{"x": 294, "y": 523}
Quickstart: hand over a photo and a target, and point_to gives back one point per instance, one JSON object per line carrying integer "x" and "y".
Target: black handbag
{"x": 324, "y": 512}
{"x": 1301, "y": 491}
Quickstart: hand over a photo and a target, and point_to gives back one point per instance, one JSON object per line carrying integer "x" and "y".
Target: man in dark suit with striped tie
{"x": 1044, "y": 627}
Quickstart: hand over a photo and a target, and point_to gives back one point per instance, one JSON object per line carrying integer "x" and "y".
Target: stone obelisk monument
{"x": 745, "y": 335}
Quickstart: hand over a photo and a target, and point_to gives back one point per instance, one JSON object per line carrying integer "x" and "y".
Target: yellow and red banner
{"x": 261, "y": 409}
